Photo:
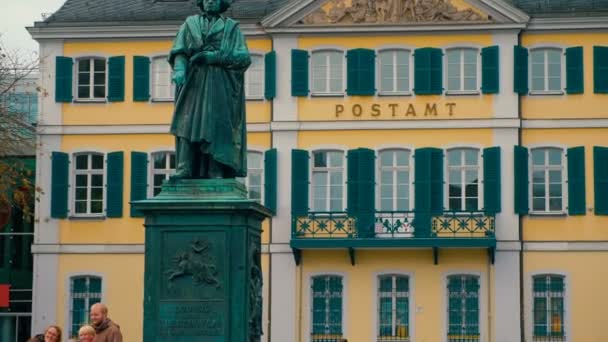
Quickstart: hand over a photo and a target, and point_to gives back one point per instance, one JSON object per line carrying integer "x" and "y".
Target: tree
{"x": 17, "y": 136}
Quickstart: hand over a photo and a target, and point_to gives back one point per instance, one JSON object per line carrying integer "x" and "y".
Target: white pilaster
{"x": 283, "y": 302}
{"x": 507, "y": 222}
{"x": 506, "y": 101}
{"x": 284, "y": 142}
{"x": 506, "y": 297}
{"x": 285, "y": 106}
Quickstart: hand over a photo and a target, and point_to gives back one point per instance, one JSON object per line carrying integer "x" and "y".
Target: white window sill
{"x": 327, "y": 94}
{"x": 90, "y": 100}
{"x": 160, "y": 99}
{"x": 548, "y": 213}
{"x": 254, "y": 98}
{"x": 89, "y": 217}
{"x": 543, "y": 92}
{"x": 462, "y": 92}
{"x": 395, "y": 93}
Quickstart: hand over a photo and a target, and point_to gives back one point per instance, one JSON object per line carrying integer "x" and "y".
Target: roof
{"x": 112, "y": 11}
{"x": 75, "y": 12}
{"x": 561, "y": 8}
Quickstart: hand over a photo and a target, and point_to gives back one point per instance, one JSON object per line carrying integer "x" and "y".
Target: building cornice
{"x": 331, "y": 29}
{"x": 568, "y": 23}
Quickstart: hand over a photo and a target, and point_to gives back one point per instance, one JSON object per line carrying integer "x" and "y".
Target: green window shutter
{"x": 600, "y": 179}
{"x": 576, "y": 181}
{"x": 575, "y": 76}
{"x": 299, "y": 73}
{"x": 139, "y": 179}
{"x": 116, "y": 79}
{"x": 141, "y": 78}
{"x": 428, "y": 64}
{"x": 600, "y": 69}
{"x": 270, "y": 180}
{"x": 490, "y": 71}
{"x": 59, "y": 184}
{"x": 428, "y": 180}
{"x": 521, "y": 180}
{"x": 437, "y": 181}
{"x": 114, "y": 191}
{"x": 352, "y": 181}
{"x": 361, "y": 72}
{"x": 422, "y": 180}
{"x": 366, "y": 192}
{"x": 335, "y": 305}
{"x": 63, "y": 79}
{"x": 270, "y": 75}
{"x": 491, "y": 180}
{"x": 520, "y": 77}
{"x": 299, "y": 182}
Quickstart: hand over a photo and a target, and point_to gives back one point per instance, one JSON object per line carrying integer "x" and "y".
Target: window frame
{"x": 344, "y": 179}
{"x": 345, "y": 320}
{"x": 76, "y": 84}
{"x": 410, "y": 169}
{"x": 311, "y": 78}
{"x": 410, "y": 296}
{"x": 446, "y": 67}
{"x": 546, "y": 168}
{"x": 245, "y": 180}
{"x": 67, "y": 328}
{"x": 482, "y": 304}
{"x": 151, "y": 169}
{"x": 247, "y": 78}
{"x": 89, "y": 173}
{"x": 562, "y": 53}
{"x": 410, "y": 80}
{"x": 152, "y": 76}
{"x": 529, "y": 302}
{"x": 463, "y": 168}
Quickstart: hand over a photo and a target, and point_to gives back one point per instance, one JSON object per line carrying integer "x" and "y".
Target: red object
{"x": 5, "y": 215}
{"x": 4, "y": 295}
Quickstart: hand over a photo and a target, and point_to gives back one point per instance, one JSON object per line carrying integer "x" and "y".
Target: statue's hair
{"x": 224, "y": 5}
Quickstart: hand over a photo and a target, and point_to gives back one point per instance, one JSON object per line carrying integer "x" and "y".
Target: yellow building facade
{"x": 437, "y": 169}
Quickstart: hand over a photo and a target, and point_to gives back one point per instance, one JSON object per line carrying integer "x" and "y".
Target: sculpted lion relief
{"x": 390, "y": 12}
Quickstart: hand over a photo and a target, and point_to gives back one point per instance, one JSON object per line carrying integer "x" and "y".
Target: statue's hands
{"x": 205, "y": 57}
{"x": 179, "y": 77}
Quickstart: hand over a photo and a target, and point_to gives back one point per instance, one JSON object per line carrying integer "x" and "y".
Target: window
{"x": 84, "y": 292}
{"x": 328, "y": 181}
{"x": 328, "y": 72}
{"x": 463, "y": 179}
{"x": 548, "y": 294}
{"x": 326, "y": 308}
{"x": 393, "y": 308}
{"x": 163, "y": 166}
{"x": 255, "y": 175}
{"x": 462, "y": 70}
{"x": 463, "y": 308}
{"x": 546, "y": 70}
{"x": 394, "y": 71}
{"x": 162, "y": 86}
{"x": 394, "y": 180}
{"x": 91, "y": 78}
{"x": 254, "y": 78}
{"x": 548, "y": 184}
{"x": 89, "y": 181}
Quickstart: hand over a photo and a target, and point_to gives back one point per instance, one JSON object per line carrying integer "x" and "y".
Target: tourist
{"x": 37, "y": 338}
{"x": 105, "y": 329}
{"x": 52, "y": 334}
{"x": 86, "y": 333}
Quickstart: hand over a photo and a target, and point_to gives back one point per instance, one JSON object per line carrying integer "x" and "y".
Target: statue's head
{"x": 213, "y": 6}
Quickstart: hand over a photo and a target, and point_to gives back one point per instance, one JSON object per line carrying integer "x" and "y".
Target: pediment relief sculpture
{"x": 391, "y": 12}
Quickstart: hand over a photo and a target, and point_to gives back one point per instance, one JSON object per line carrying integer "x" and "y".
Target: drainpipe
{"x": 520, "y": 221}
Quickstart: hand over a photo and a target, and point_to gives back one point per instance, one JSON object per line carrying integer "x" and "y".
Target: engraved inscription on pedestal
{"x": 192, "y": 319}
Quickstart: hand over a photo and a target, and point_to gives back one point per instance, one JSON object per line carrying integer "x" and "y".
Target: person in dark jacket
{"x": 107, "y": 331}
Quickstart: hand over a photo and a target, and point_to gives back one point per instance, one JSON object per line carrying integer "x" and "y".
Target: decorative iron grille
{"x": 324, "y": 225}
{"x": 393, "y": 308}
{"x": 394, "y": 223}
{"x": 548, "y": 294}
{"x": 464, "y": 224}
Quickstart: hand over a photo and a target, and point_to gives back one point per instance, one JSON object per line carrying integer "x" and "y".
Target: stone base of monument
{"x": 203, "y": 278}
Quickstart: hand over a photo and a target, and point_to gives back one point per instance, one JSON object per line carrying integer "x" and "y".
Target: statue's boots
{"x": 184, "y": 160}
{"x": 216, "y": 170}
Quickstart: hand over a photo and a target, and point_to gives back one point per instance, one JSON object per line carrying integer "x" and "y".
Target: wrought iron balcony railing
{"x": 394, "y": 224}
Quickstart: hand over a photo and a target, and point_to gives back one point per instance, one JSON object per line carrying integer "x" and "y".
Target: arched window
{"x": 328, "y": 181}
{"x": 548, "y": 185}
{"x": 255, "y": 176}
{"x": 462, "y": 75}
{"x": 84, "y": 292}
{"x": 463, "y": 179}
{"x": 326, "y": 308}
{"x": 254, "y": 78}
{"x": 91, "y": 81}
{"x": 463, "y": 308}
{"x": 163, "y": 166}
{"x": 393, "y": 308}
{"x": 394, "y": 71}
{"x": 546, "y": 70}
{"x": 394, "y": 180}
{"x": 89, "y": 181}
{"x": 327, "y": 72}
{"x": 162, "y": 86}
{"x": 548, "y": 291}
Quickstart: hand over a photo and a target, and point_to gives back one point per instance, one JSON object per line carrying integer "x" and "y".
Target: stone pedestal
{"x": 203, "y": 278}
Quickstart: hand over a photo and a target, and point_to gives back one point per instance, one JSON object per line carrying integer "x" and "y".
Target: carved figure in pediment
{"x": 337, "y": 12}
{"x": 383, "y": 8}
{"x": 361, "y": 11}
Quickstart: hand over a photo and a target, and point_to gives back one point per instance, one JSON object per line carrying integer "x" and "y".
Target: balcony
{"x": 393, "y": 229}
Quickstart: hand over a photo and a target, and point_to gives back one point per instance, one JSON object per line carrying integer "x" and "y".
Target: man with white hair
{"x": 107, "y": 331}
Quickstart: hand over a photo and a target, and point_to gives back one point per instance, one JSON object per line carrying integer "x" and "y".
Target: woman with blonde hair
{"x": 86, "y": 333}
{"x": 52, "y": 334}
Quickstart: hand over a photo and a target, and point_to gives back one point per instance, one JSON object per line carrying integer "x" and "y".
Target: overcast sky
{"x": 15, "y": 15}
